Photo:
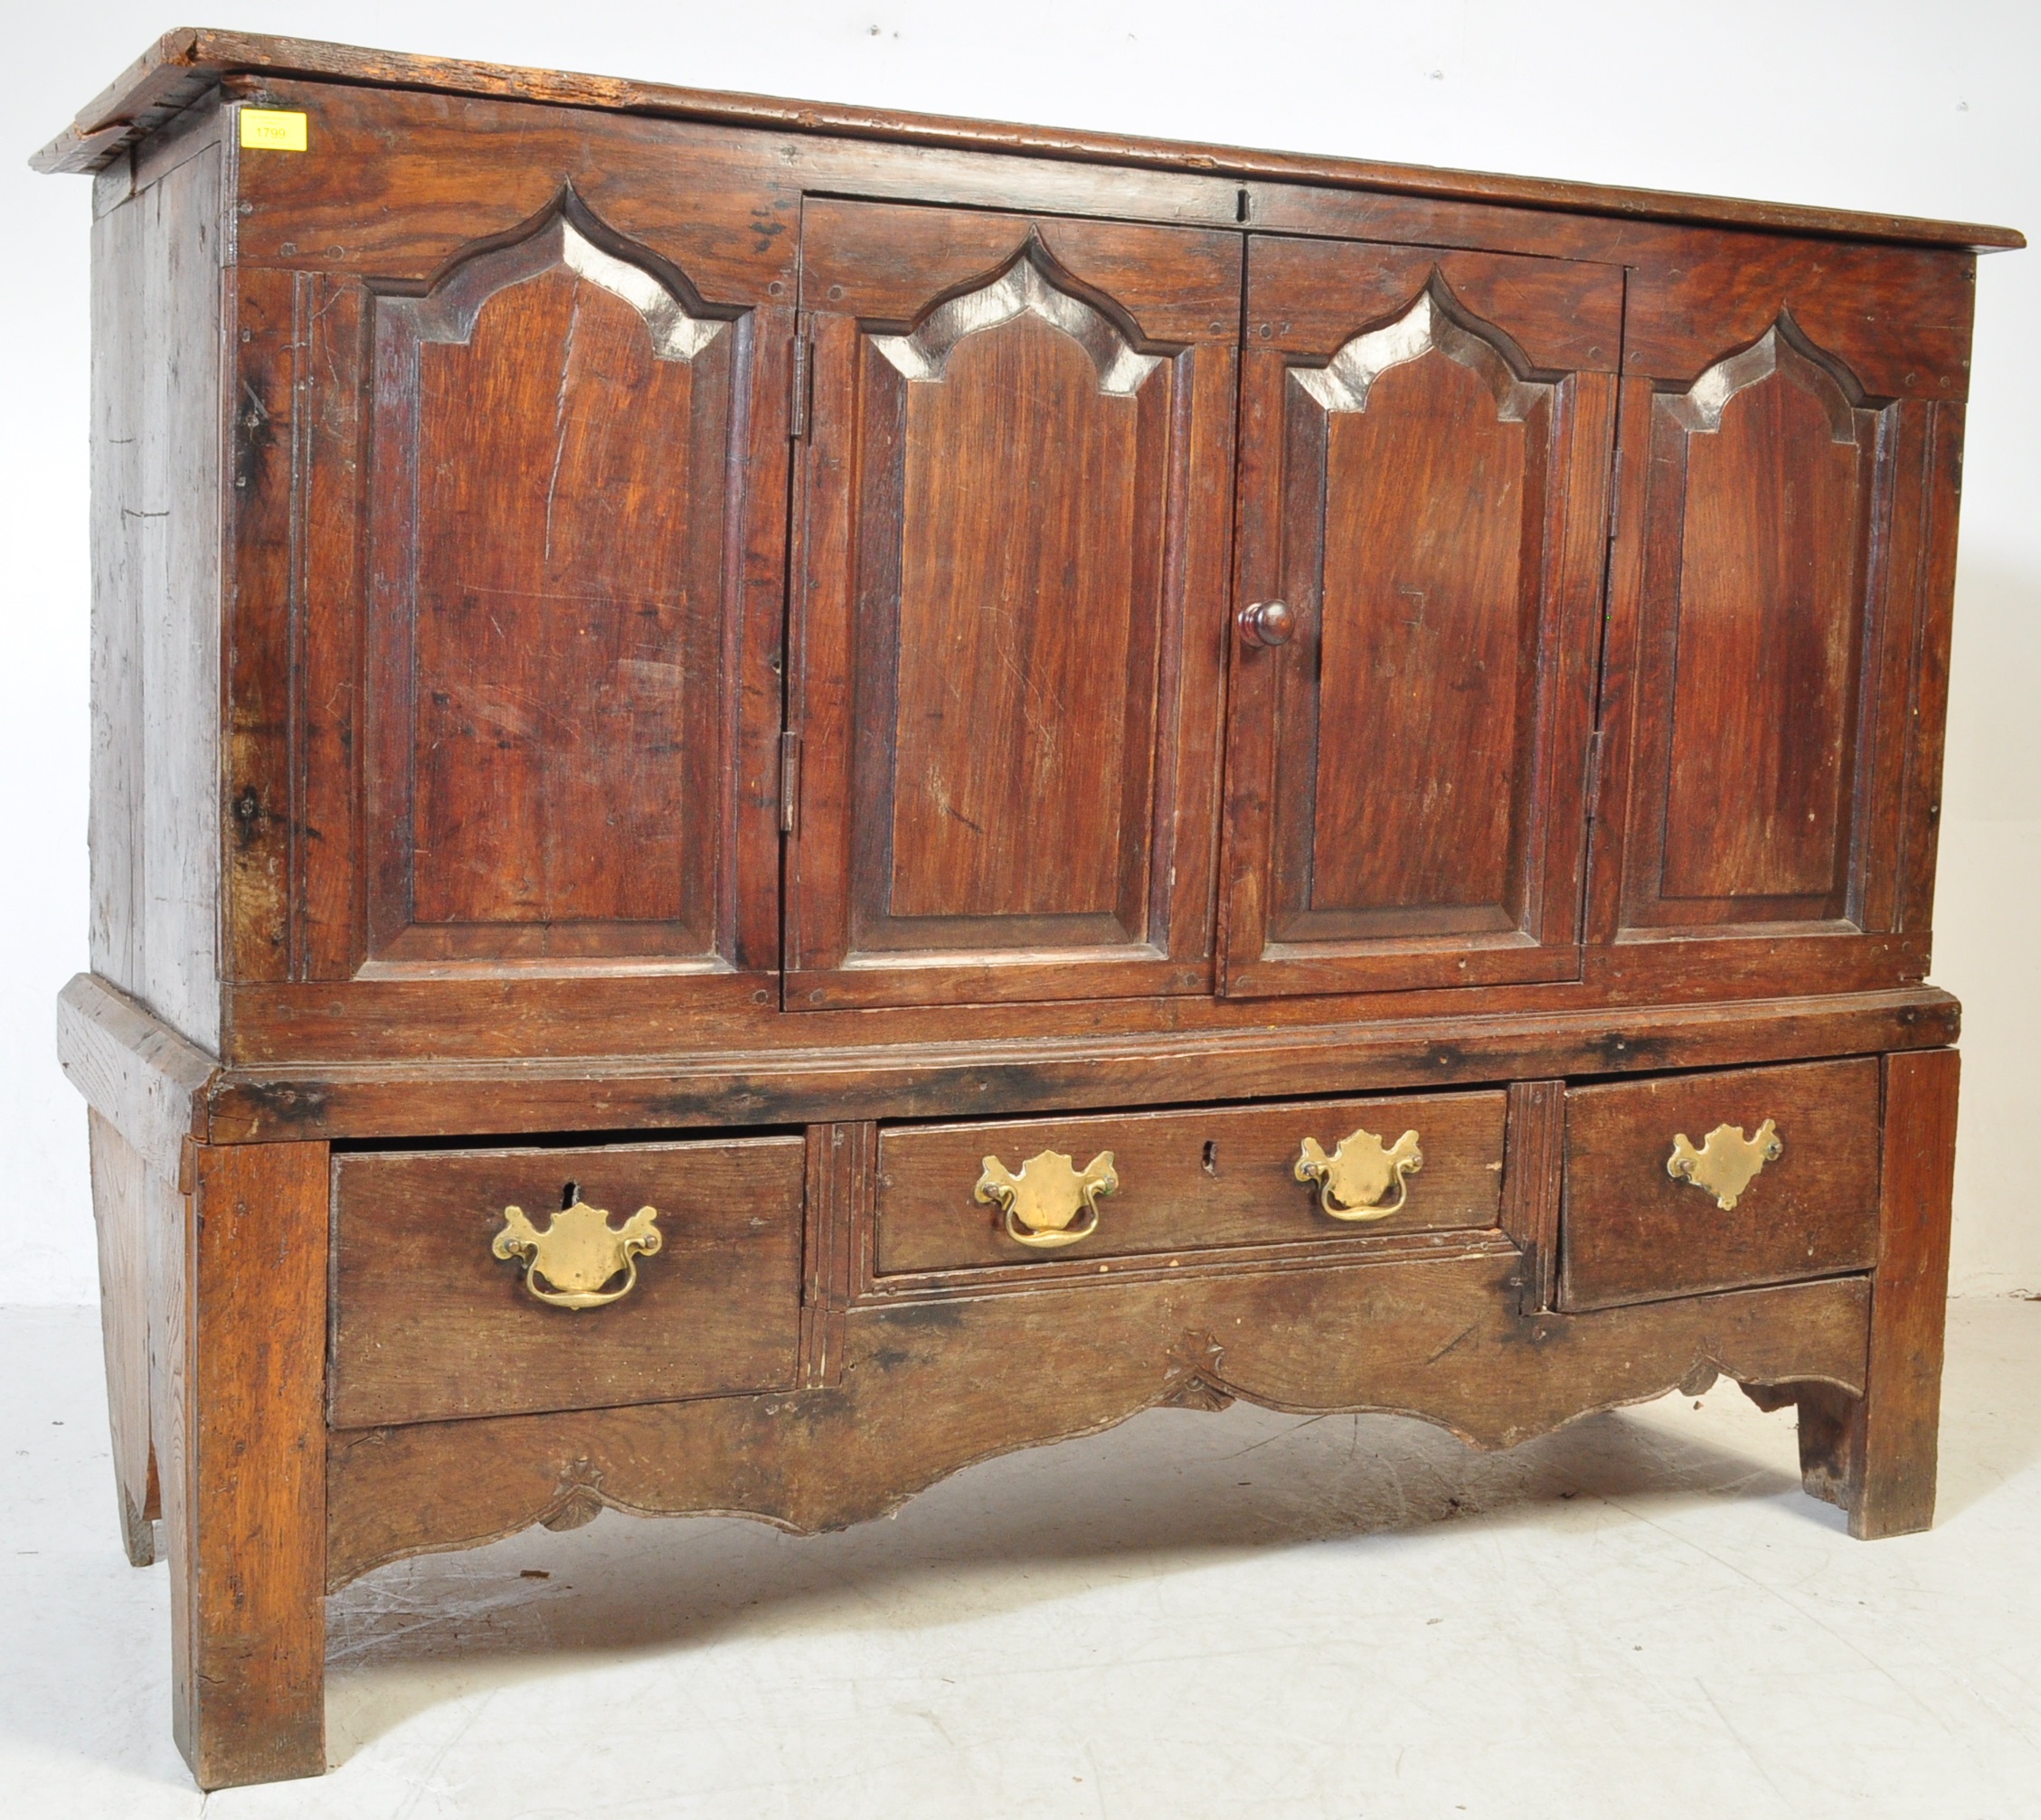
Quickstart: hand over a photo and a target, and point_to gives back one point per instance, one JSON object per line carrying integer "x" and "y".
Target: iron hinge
{"x": 789, "y": 779}
{"x": 797, "y": 410}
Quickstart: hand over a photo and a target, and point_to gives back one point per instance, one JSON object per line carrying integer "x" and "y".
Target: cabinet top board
{"x": 182, "y": 65}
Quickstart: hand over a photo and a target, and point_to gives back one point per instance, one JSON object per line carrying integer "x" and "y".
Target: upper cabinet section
{"x": 1008, "y": 604}
{"x": 1424, "y": 454}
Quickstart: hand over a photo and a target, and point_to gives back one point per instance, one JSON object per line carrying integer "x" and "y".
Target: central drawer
{"x": 1188, "y": 1180}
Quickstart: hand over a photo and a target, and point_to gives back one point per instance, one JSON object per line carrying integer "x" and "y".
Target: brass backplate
{"x": 1353, "y": 1180}
{"x": 578, "y": 1253}
{"x": 1046, "y": 1194}
{"x": 1728, "y": 1162}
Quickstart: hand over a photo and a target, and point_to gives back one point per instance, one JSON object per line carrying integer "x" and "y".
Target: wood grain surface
{"x": 1188, "y": 1180}
{"x": 1633, "y": 1232}
{"x": 931, "y": 1388}
{"x": 244, "y": 1489}
{"x": 184, "y": 62}
{"x": 428, "y": 1323}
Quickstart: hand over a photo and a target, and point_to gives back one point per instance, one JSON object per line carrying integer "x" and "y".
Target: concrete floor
{"x": 1242, "y": 1614}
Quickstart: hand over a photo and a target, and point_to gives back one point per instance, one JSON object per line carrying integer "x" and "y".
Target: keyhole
{"x": 570, "y": 1193}
{"x": 1212, "y": 1157}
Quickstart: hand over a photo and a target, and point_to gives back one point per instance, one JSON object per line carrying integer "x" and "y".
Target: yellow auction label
{"x": 272, "y": 129}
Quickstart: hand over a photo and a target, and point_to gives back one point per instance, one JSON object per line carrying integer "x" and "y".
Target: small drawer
{"x": 1635, "y": 1231}
{"x": 429, "y": 1322}
{"x": 1183, "y": 1180}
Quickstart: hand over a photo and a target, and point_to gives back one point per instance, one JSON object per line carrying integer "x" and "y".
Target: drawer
{"x": 430, "y": 1323}
{"x": 1185, "y": 1181}
{"x": 1634, "y": 1232}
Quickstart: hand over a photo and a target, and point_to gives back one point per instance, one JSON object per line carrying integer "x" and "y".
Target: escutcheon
{"x": 1046, "y": 1195}
{"x": 578, "y": 1252}
{"x": 1359, "y": 1172}
{"x": 1728, "y": 1162}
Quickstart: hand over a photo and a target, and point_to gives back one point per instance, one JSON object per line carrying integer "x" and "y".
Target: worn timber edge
{"x": 1005, "y": 1077}
{"x": 184, "y": 63}
{"x": 148, "y": 1082}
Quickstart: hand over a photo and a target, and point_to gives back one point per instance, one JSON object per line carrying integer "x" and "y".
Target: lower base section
{"x": 221, "y": 1311}
{"x": 930, "y": 1387}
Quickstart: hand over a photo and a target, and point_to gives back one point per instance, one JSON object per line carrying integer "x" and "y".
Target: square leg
{"x": 241, "y": 1421}
{"x": 1875, "y": 1454}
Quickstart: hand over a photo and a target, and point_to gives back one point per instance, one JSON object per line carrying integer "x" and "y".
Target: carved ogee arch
{"x": 676, "y": 320}
{"x": 1022, "y": 288}
{"x": 1430, "y": 326}
{"x": 1784, "y": 349}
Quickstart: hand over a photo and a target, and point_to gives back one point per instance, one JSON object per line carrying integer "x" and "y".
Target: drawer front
{"x": 430, "y": 1323}
{"x": 1635, "y": 1233}
{"x": 1185, "y": 1181}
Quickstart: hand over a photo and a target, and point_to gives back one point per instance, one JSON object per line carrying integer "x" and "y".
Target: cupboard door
{"x": 556, "y": 654}
{"x": 1765, "y": 631}
{"x": 1008, "y": 617}
{"x": 1425, "y": 448}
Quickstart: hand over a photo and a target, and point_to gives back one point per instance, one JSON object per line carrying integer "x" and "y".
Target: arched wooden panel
{"x": 1021, "y": 466}
{"x": 1759, "y": 616}
{"x": 1433, "y": 473}
{"x": 1031, "y": 540}
{"x": 551, "y": 567}
{"x": 1393, "y": 766}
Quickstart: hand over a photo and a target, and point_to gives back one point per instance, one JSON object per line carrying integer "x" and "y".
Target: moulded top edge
{"x": 184, "y": 63}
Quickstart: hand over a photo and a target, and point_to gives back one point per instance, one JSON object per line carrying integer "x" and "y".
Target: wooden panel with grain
{"x": 1777, "y": 608}
{"x": 127, "y": 1197}
{"x": 1188, "y": 1180}
{"x": 184, "y": 62}
{"x": 428, "y": 1322}
{"x": 1633, "y": 1232}
{"x": 1406, "y": 777}
{"x": 1005, "y": 676}
{"x": 159, "y": 424}
{"x": 866, "y": 1074}
{"x": 551, "y": 704}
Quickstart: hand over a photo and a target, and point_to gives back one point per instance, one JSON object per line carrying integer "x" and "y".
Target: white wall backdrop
{"x": 1888, "y": 105}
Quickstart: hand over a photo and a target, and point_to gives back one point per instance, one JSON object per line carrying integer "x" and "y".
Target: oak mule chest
{"x": 784, "y": 796}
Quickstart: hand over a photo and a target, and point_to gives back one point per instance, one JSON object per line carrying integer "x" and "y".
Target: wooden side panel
{"x": 1187, "y": 1181}
{"x": 1633, "y": 1231}
{"x": 1007, "y": 680}
{"x": 123, "y": 1197}
{"x": 1406, "y": 776}
{"x": 157, "y": 424}
{"x": 244, "y": 1303}
{"x": 428, "y": 1323}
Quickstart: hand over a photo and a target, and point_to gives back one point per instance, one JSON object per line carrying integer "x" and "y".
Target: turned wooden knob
{"x": 1267, "y": 622}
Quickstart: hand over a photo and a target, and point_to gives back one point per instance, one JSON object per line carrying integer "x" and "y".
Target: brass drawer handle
{"x": 578, "y": 1252}
{"x": 1728, "y": 1162}
{"x": 1359, "y": 1172}
{"x": 1041, "y": 1200}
